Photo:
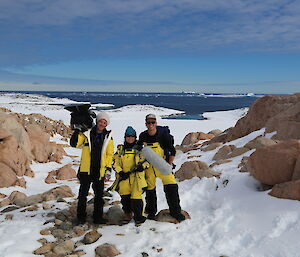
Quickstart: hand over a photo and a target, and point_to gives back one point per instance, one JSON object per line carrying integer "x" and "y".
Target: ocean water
{"x": 193, "y": 104}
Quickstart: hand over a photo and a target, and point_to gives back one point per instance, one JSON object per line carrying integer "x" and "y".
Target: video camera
{"x": 81, "y": 116}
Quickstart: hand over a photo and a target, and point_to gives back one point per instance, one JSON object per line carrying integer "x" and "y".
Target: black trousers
{"x": 98, "y": 187}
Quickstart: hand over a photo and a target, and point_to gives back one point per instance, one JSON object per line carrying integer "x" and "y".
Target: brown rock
{"x": 237, "y": 151}
{"x": 15, "y": 196}
{"x": 12, "y": 155}
{"x": 50, "y": 179}
{"x": 164, "y": 216}
{"x": 287, "y": 190}
{"x": 192, "y": 169}
{"x": 275, "y": 164}
{"x": 41, "y": 148}
{"x": 194, "y": 137}
{"x": 21, "y": 182}
{"x": 91, "y": 237}
{"x": 5, "y": 202}
{"x": 215, "y": 132}
{"x": 219, "y": 162}
{"x": 106, "y": 250}
{"x": 66, "y": 172}
{"x": 7, "y": 176}
{"x": 64, "y": 248}
{"x": 223, "y": 152}
{"x": 259, "y": 142}
{"x": 210, "y": 147}
{"x": 44, "y": 249}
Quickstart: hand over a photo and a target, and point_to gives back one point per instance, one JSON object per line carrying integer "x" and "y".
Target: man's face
{"x": 151, "y": 125}
{"x": 101, "y": 124}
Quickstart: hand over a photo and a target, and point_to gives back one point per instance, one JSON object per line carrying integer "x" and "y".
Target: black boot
{"x": 126, "y": 207}
{"x": 171, "y": 192}
{"x": 151, "y": 203}
{"x": 81, "y": 211}
{"x": 137, "y": 208}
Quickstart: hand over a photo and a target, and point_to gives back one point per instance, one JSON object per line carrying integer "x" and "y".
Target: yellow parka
{"x": 126, "y": 160}
{"x": 106, "y": 152}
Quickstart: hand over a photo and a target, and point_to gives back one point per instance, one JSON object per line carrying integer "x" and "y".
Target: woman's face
{"x": 130, "y": 139}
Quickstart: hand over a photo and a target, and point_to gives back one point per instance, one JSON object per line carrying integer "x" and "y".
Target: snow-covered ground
{"x": 228, "y": 219}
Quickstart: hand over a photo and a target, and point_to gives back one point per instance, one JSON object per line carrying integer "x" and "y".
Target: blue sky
{"x": 133, "y": 45}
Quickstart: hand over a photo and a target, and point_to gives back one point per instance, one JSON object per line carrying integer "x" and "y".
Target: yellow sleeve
{"x": 81, "y": 140}
{"x": 140, "y": 158}
{"x": 109, "y": 153}
{"x": 117, "y": 166}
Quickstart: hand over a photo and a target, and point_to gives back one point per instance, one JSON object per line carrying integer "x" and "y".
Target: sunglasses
{"x": 130, "y": 136}
{"x": 150, "y": 122}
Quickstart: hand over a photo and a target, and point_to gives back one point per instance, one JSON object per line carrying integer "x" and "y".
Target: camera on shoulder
{"x": 81, "y": 116}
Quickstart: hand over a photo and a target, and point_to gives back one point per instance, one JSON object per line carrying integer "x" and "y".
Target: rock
{"x": 13, "y": 155}
{"x": 164, "y": 216}
{"x": 58, "y": 233}
{"x": 287, "y": 190}
{"x": 50, "y": 179}
{"x": 115, "y": 215}
{"x": 46, "y": 248}
{"x": 66, "y": 172}
{"x": 21, "y": 182}
{"x": 259, "y": 142}
{"x": 275, "y": 164}
{"x": 15, "y": 196}
{"x": 91, "y": 237}
{"x": 210, "y": 147}
{"x": 64, "y": 248}
{"x": 244, "y": 165}
{"x": 79, "y": 231}
{"x": 215, "y": 132}
{"x": 194, "y": 137}
{"x": 7, "y": 176}
{"x": 3, "y": 195}
{"x": 5, "y": 202}
{"x": 40, "y": 143}
{"x": 223, "y": 152}
{"x": 237, "y": 151}
{"x": 106, "y": 250}
{"x": 45, "y": 232}
{"x": 192, "y": 169}
{"x": 219, "y": 162}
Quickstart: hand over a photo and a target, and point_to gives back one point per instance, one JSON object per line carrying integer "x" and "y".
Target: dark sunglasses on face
{"x": 130, "y": 136}
{"x": 150, "y": 122}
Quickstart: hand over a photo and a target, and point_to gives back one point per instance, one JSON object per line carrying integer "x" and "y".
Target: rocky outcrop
{"x": 7, "y": 176}
{"x": 63, "y": 173}
{"x": 275, "y": 164}
{"x": 25, "y": 138}
{"x": 192, "y": 169}
{"x": 106, "y": 250}
{"x": 275, "y": 113}
{"x": 260, "y": 142}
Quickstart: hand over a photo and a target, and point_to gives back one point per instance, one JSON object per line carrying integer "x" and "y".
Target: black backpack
{"x": 165, "y": 139}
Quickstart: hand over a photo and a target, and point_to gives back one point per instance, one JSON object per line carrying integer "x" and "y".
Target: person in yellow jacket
{"x": 96, "y": 161}
{"x": 130, "y": 177}
{"x": 162, "y": 142}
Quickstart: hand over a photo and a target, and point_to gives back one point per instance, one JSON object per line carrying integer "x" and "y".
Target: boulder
{"x": 237, "y": 151}
{"x": 275, "y": 164}
{"x": 194, "y": 137}
{"x": 115, "y": 215}
{"x": 66, "y": 172}
{"x": 7, "y": 176}
{"x": 210, "y": 147}
{"x": 192, "y": 169}
{"x": 223, "y": 152}
{"x": 296, "y": 173}
{"x": 259, "y": 142}
{"x": 15, "y": 196}
{"x": 12, "y": 154}
{"x": 215, "y": 132}
{"x": 64, "y": 248}
{"x": 41, "y": 147}
{"x": 164, "y": 216}
{"x": 287, "y": 190}
{"x": 91, "y": 237}
{"x": 106, "y": 250}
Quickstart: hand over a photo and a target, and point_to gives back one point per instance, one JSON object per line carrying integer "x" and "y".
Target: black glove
{"x": 124, "y": 175}
{"x": 173, "y": 166}
{"x": 139, "y": 168}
